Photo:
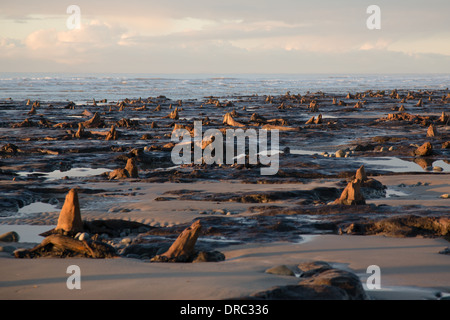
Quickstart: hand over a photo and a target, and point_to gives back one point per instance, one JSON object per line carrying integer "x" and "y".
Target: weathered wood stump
{"x": 69, "y": 220}
{"x": 182, "y": 250}
{"x": 352, "y": 194}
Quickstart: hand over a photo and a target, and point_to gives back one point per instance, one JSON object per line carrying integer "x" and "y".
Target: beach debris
{"x": 340, "y": 153}
{"x": 424, "y": 150}
{"x": 10, "y": 236}
{"x": 183, "y": 249}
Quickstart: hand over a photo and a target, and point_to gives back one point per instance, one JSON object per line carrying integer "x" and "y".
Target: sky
{"x": 232, "y": 36}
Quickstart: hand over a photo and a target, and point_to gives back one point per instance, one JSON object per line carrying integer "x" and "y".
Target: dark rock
{"x": 10, "y": 236}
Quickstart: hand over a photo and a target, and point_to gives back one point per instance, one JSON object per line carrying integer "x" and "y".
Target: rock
{"x": 424, "y": 150}
{"x": 340, "y": 154}
{"x": 69, "y": 220}
{"x": 301, "y": 292}
{"x": 319, "y": 281}
{"x": 352, "y": 194}
{"x": 445, "y": 251}
{"x": 345, "y": 280}
{"x": 314, "y": 267}
{"x": 403, "y": 226}
{"x": 82, "y": 236}
{"x": 209, "y": 256}
{"x": 10, "y": 236}
{"x": 280, "y": 270}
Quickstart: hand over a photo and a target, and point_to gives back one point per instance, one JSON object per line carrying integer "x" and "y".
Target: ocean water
{"x": 80, "y": 88}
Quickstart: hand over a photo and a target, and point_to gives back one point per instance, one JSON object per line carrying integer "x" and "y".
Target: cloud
{"x": 218, "y": 36}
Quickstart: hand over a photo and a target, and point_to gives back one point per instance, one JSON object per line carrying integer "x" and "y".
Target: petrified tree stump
{"x": 352, "y": 194}
{"x": 182, "y": 250}
{"x": 69, "y": 220}
{"x": 132, "y": 168}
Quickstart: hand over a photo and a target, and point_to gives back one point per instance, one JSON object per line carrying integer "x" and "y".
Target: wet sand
{"x": 410, "y": 269}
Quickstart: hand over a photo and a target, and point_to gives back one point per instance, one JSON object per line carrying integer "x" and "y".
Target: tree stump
{"x": 182, "y": 250}
{"x": 352, "y": 194}
{"x": 69, "y": 220}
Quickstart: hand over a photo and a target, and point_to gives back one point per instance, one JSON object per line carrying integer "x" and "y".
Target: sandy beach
{"x": 410, "y": 269}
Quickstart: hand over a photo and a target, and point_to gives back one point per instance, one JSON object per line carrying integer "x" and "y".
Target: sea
{"x": 84, "y": 87}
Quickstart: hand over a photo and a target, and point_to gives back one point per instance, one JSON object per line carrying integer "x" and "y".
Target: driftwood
{"x": 182, "y": 250}
{"x": 58, "y": 245}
